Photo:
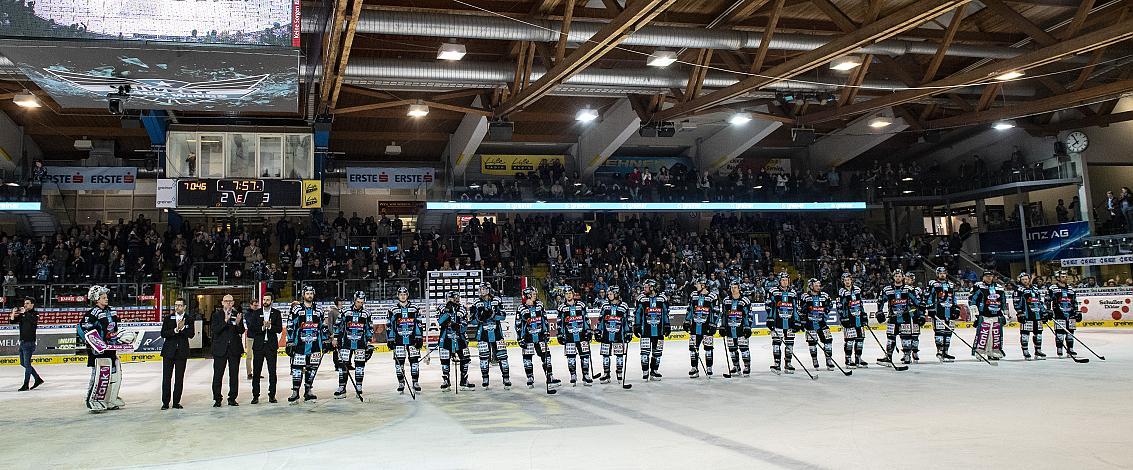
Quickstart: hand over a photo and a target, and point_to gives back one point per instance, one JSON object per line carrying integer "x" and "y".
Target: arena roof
{"x": 928, "y": 64}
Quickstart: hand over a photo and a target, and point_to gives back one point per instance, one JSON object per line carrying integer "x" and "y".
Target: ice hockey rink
{"x": 1050, "y": 414}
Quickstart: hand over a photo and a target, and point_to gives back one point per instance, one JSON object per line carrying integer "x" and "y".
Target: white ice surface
{"x": 1029, "y": 415}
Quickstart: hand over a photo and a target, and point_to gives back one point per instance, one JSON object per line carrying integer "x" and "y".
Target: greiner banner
{"x": 1047, "y": 242}
{"x": 510, "y": 165}
{"x": 71, "y": 178}
{"x": 389, "y": 177}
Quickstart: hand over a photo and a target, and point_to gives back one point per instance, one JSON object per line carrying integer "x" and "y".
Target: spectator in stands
{"x": 28, "y": 319}
{"x": 1127, "y": 207}
{"x": 1061, "y": 213}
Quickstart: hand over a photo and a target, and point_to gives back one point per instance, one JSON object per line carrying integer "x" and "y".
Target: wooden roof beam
{"x": 637, "y": 15}
{"x": 902, "y": 20}
{"x": 1045, "y": 105}
{"x": 1028, "y": 60}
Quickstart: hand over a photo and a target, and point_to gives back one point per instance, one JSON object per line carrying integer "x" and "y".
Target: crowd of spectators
{"x": 1115, "y": 213}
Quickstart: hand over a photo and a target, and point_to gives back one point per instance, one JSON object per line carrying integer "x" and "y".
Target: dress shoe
{"x": 177, "y": 406}
{"x": 233, "y": 403}
{"x": 164, "y": 407}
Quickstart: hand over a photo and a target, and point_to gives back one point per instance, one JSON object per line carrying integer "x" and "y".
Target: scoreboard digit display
{"x": 245, "y": 193}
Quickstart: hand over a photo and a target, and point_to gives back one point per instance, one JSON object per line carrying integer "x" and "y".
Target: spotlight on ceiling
{"x": 1003, "y": 125}
{"x": 1009, "y": 75}
{"x": 661, "y": 58}
{"x": 586, "y": 114}
{"x": 449, "y": 51}
{"x": 418, "y": 110}
{"x": 26, "y": 100}
{"x": 878, "y": 122}
{"x": 845, "y": 63}
{"x": 740, "y": 118}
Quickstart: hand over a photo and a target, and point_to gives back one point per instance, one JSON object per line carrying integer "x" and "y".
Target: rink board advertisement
{"x": 170, "y": 76}
{"x": 258, "y": 22}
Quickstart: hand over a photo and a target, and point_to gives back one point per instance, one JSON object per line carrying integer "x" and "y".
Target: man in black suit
{"x": 227, "y": 347}
{"x": 265, "y": 324}
{"x": 176, "y": 328}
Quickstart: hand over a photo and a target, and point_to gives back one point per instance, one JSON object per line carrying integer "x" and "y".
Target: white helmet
{"x": 95, "y": 292}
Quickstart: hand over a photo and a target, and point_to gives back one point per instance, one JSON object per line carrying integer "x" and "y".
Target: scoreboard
{"x": 305, "y": 194}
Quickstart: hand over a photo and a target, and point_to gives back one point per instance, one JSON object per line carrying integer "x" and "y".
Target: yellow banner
{"x": 509, "y": 165}
{"x": 312, "y": 194}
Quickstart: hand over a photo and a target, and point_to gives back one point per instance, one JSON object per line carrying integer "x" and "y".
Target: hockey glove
{"x": 880, "y": 317}
{"x": 745, "y": 332}
{"x": 390, "y": 344}
{"x": 667, "y": 329}
{"x": 919, "y": 320}
{"x": 418, "y": 342}
{"x": 290, "y": 350}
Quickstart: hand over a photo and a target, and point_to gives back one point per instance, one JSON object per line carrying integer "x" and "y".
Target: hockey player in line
{"x": 1064, "y": 306}
{"x": 854, "y": 321}
{"x": 899, "y": 299}
{"x": 404, "y": 338}
{"x": 736, "y": 320}
{"x": 574, "y": 335}
{"x": 614, "y": 332}
{"x": 487, "y": 313}
{"x": 99, "y": 330}
{"x": 816, "y": 305}
{"x": 917, "y": 310}
{"x": 532, "y": 331}
{"x": 307, "y": 338}
{"x": 783, "y": 321}
{"x": 700, "y": 323}
{"x": 1032, "y": 312}
{"x": 351, "y": 337}
{"x": 453, "y": 322}
{"x": 941, "y": 304}
{"x": 651, "y": 325}
{"x": 988, "y": 301}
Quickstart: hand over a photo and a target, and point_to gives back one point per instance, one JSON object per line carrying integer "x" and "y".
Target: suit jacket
{"x": 176, "y": 342}
{"x": 264, "y": 341}
{"x": 226, "y": 337}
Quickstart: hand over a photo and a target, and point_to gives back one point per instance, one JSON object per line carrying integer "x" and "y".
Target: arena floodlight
{"x": 1009, "y": 75}
{"x": 26, "y": 100}
{"x": 739, "y": 119}
{"x": 418, "y": 110}
{"x": 844, "y": 63}
{"x": 586, "y": 114}
{"x": 661, "y": 58}
{"x": 1003, "y": 125}
{"x": 449, "y": 51}
{"x": 879, "y": 122}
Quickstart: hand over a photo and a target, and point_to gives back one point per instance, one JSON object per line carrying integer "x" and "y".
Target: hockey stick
{"x": 728, "y": 355}
{"x": 1075, "y": 358}
{"x": 350, "y": 376}
{"x": 546, "y": 366}
{"x": 969, "y": 345}
{"x": 889, "y": 362}
{"x": 1084, "y": 344}
{"x": 625, "y": 367}
{"x": 845, "y": 372}
{"x": 796, "y": 356}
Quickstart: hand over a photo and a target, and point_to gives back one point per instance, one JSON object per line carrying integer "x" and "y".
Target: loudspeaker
{"x": 501, "y": 131}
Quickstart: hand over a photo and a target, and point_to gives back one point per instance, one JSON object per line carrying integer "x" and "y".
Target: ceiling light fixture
{"x": 878, "y": 122}
{"x": 418, "y": 110}
{"x": 845, "y": 63}
{"x": 586, "y": 114}
{"x": 1010, "y": 75}
{"x": 26, "y": 100}
{"x": 449, "y": 51}
{"x": 740, "y": 118}
{"x": 1003, "y": 125}
{"x": 661, "y": 58}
